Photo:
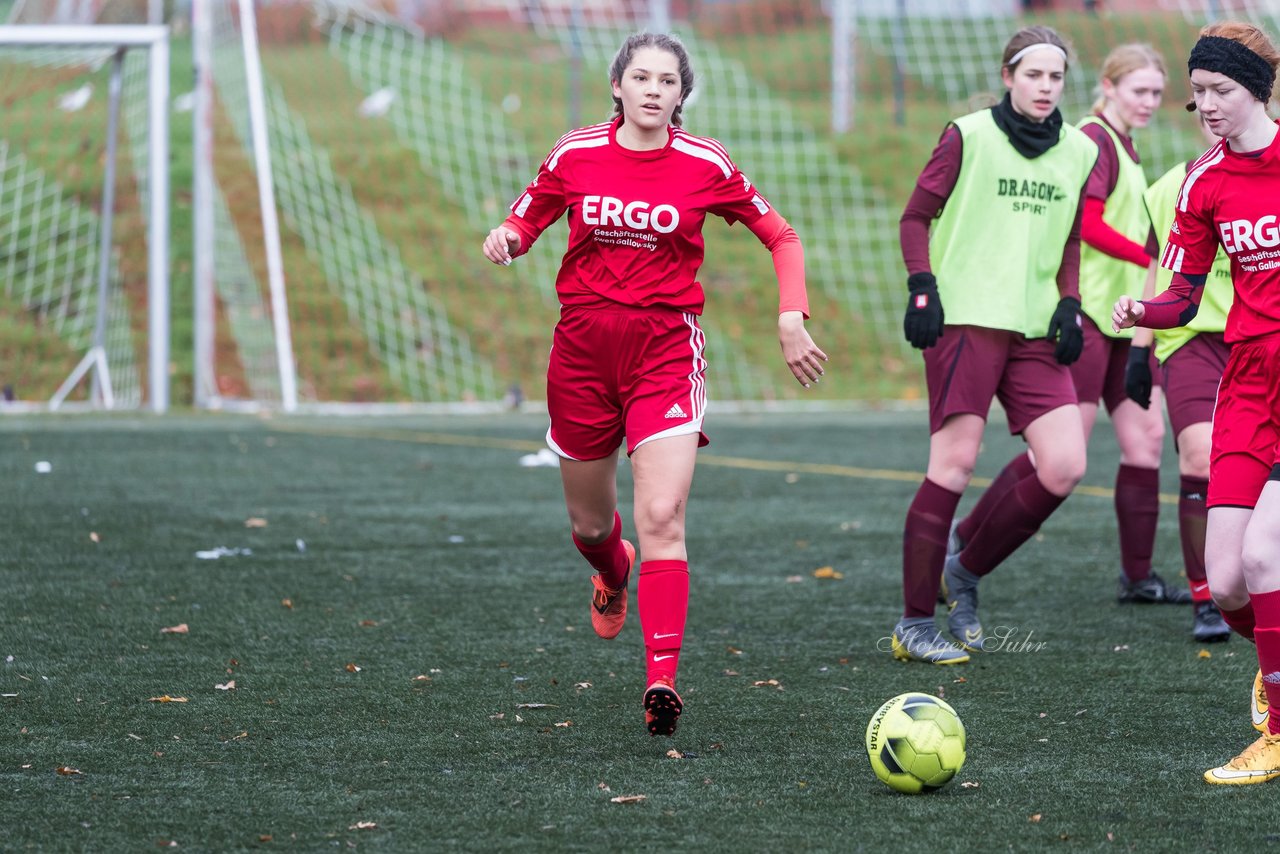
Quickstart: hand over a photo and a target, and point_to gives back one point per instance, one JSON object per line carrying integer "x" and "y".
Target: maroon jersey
{"x": 1234, "y": 200}
{"x": 635, "y": 217}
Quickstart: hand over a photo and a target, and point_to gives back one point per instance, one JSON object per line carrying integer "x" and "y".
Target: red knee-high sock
{"x": 608, "y": 557}
{"x": 924, "y": 547}
{"x": 1266, "y": 607}
{"x": 1192, "y": 515}
{"x": 663, "y": 599}
{"x": 1137, "y": 512}
{"x": 1241, "y": 620}
{"x": 1016, "y": 469}
{"x": 1010, "y": 524}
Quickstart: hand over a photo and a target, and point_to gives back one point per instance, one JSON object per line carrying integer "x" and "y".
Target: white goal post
{"x": 119, "y": 39}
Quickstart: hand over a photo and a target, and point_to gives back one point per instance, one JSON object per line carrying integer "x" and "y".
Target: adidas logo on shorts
{"x": 675, "y": 412}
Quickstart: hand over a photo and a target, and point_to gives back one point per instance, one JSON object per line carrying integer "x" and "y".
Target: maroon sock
{"x": 1266, "y": 607}
{"x": 1137, "y": 511}
{"x": 608, "y": 557}
{"x": 1192, "y": 515}
{"x": 1010, "y": 524}
{"x": 662, "y": 597}
{"x": 924, "y": 547}
{"x": 1240, "y": 619}
{"x": 1016, "y": 469}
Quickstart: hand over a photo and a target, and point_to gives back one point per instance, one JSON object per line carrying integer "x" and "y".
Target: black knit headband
{"x": 1229, "y": 57}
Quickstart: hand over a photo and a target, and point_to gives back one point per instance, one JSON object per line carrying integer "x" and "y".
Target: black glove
{"x": 1065, "y": 327}
{"x": 923, "y": 322}
{"x": 1137, "y": 376}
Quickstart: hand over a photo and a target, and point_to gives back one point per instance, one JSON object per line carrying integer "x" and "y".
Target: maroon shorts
{"x": 624, "y": 371}
{"x": 971, "y": 365}
{"x": 1099, "y": 372}
{"x": 1246, "y": 424}
{"x": 1191, "y": 377}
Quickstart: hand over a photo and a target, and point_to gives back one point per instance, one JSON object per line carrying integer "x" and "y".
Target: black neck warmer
{"x": 1031, "y": 139}
{"x": 1232, "y": 59}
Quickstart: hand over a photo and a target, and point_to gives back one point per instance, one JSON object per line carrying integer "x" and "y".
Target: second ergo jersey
{"x": 1233, "y": 200}
{"x": 635, "y": 217}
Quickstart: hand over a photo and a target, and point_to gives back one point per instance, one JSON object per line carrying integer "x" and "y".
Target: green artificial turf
{"x": 410, "y": 647}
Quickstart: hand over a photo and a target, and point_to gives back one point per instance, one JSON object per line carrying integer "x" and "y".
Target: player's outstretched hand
{"x": 1127, "y": 312}
{"x": 501, "y": 245}
{"x": 804, "y": 358}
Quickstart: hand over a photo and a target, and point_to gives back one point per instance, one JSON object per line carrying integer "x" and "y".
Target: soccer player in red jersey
{"x": 1114, "y": 261}
{"x": 627, "y": 353}
{"x": 1005, "y": 186}
{"x": 1231, "y": 198}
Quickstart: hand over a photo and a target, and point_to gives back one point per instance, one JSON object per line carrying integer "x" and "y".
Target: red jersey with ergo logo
{"x": 635, "y": 217}
{"x": 1234, "y": 200}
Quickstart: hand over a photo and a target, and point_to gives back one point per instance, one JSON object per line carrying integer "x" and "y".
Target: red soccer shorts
{"x": 1246, "y": 423}
{"x": 971, "y": 365}
{"x": 1099, "y": 372}
{"x": 624, "y": 371}
{"x": 1191, "y": 377}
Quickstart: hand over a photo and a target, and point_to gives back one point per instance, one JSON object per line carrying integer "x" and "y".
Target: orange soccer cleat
{"x": 662, "y": 707}
{"x": 608, "y": 606}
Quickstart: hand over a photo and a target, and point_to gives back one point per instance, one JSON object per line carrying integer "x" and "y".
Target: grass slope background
{"x": 442, "y": 570}
{"x": 786, "y": 47}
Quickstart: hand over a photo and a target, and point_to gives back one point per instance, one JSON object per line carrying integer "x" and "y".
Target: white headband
{"x": 1026, "y": 50}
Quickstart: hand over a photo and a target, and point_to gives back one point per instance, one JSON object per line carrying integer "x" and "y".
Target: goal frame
{"x": 155, "y": 40}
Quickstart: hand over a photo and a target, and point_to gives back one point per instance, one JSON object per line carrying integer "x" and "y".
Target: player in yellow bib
{"x": 1113, "y": 262}
{"x": 1004, "y": 185}
{"x": 1191, "y": 359}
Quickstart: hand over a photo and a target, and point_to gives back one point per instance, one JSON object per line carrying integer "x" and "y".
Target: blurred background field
{"x": 400, "y": 131}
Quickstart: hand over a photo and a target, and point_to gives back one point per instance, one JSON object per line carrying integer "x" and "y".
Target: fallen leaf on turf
{"x": 733, "y": 650}
{"x": 582, "y": 686}
{"x": 1034, "y": 819}
{"x": 354, "y": 668}
{"x": 1111, "y": 837}
{"x": 229, "y": 685}
{"x": 565, "y": 724}
{"x": 767, "y": 683}
{"x": 534, "y": 706}
{"x": 959, "y": 681}
{"x": 675, "y": 754}
{"x": 603, "y": 786}
{"x": 166, "y": 699}
{"x": 967, "y": 784}
{"x": 255, "y": 522}
{"x": 827, "y": 572}
{"x": 363, "y": 825}
{"x": 264, "y": 837}
{"x": 628, "y": 799}
{"x": 180, "y": 629}
{"x": 422, "y": 677}
{"x": 68, "y": 772}
{"x": 93, "y": 536}
{"x": 1044, "y": 714}
{"x": 732, "y": 673}
{"x": 499, "y": 716}
{"x": 368, "y": 623}
{"x": 288, "y": 603}
{"x": 1124, "y": 647}
{"x": 795, "y": 579}
{"x": 1204, "y": 653}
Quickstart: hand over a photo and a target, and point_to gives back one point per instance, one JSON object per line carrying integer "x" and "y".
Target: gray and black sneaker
{"x": 918, "y": 640}
{"x": 1209, "y": 627}
{"x": 960, "y": 586}
{"x": 1150, "y": 591}
{"x": 955, "y": 545}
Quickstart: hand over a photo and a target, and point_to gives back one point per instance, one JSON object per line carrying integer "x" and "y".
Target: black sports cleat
{"x": 1151, "y": 590}
{"x": 662, "y": 707}
{"x": 1209, "y": 627}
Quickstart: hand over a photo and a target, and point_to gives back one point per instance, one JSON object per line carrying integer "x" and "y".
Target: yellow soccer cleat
{"x": 1258, "y": 763}
{"x": 1259, "y": 708}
